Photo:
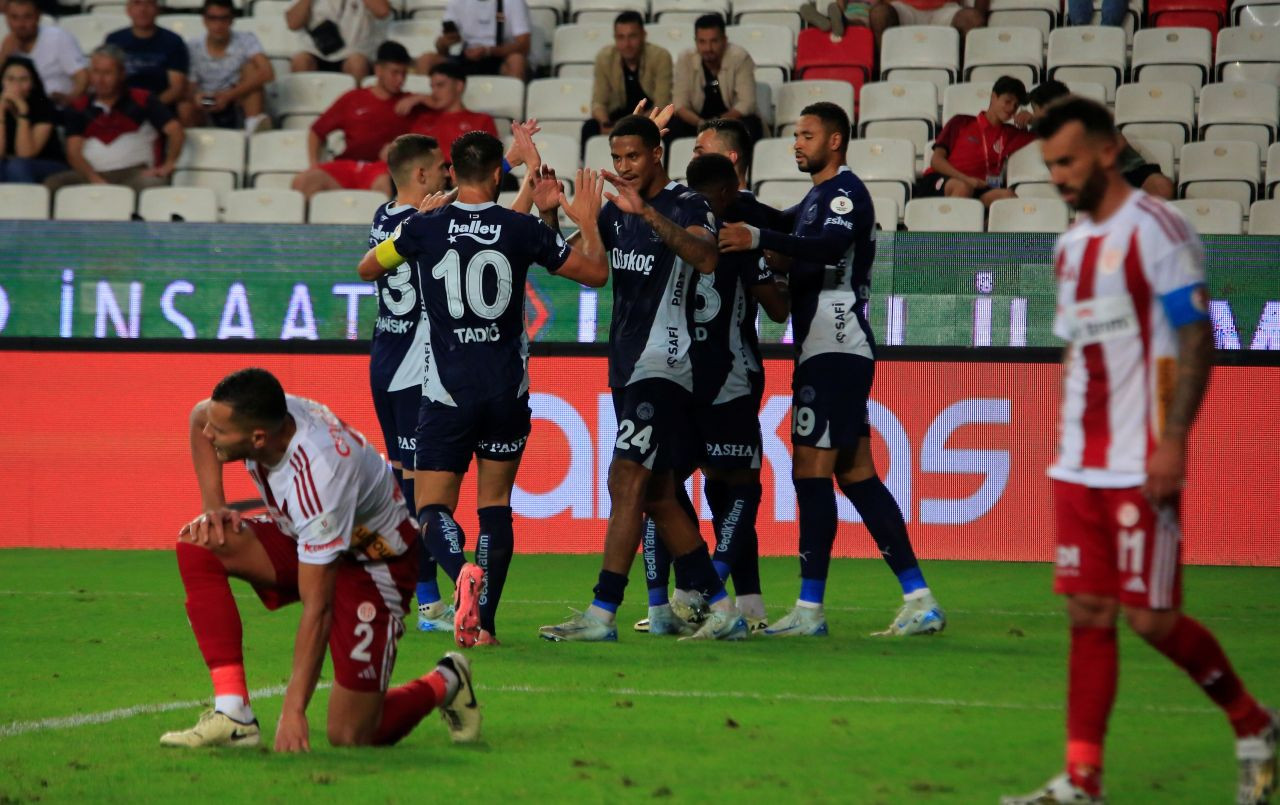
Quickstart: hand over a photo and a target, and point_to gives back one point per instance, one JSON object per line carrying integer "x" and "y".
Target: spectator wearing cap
{"x": 228, "y": 73}
{"x": 114, "y": 134}
{"x": 970, "y": 152}
{"x": 341, "y": 35}
{"x": 715, "y": 79}
{"x": 627, "y": 72}
{"x": 55, "y": 53}
{"x": 885, "y": 14}
{"x": 441, "y": 114}
{"x": 494, "y": 36}
{"x": 368, "y": 119}
{"x": 155, "y": 58}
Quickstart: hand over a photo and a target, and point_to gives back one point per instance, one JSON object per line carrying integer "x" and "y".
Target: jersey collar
{"x": 396, "y": 210}
{"x": 472, "y": 207}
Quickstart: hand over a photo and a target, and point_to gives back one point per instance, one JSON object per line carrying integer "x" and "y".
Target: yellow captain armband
{"x": 387, "y": 255}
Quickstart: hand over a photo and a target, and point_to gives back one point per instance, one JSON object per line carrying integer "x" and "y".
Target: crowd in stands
{"x": 117, "y": 115}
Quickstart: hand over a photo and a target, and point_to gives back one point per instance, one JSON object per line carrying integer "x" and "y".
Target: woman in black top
{"x": 29, "y": 146}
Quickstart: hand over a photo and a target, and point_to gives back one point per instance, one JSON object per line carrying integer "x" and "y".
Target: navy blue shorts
{"x": 398, "y": 417}
{"x": 655, "y": 424}
{"x": 495, "y": 429}
{"x": 729, "y": 433}
{"x": 829, "y": 395}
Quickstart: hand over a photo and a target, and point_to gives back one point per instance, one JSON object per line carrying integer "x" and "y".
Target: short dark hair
{"x": 638, "y": 126}
{"x": 33, "y": 3}
{"x": 1095, "y": 117}
{"x": 629, "y": 18}
{"x": 408, "y": 149}
{"x": 475, "y": 156}
{"x": 208, "y": 4}
{"x": 255, "y": 397}
{"x": 711, "y": 170}
{"x": 390, "y": 52}
{"x": 1008, "y": 85}
{"x": 450, "y": 69}
{"x": 833, "y": 117}
{"x": 735, "y": 134}
{"x": 1047, "y": 92}
{"x": 712, "y": 20}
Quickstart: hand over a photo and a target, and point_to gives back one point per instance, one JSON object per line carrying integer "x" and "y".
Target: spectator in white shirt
{"x": 493, "y": 36}
{"x": 342, "y": 34}
{"x": 56, "y": 54}
{"x": 228, "y": 72}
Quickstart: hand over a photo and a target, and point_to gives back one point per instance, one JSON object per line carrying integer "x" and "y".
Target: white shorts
{"x": 910, "y": 15}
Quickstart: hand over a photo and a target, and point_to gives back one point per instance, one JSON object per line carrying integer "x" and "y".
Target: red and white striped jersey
{"x": 332, "y": 492}
{"x": 1122, "y": 348}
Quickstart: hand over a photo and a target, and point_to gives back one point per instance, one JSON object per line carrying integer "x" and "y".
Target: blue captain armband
{"x": 1186, "y": 305}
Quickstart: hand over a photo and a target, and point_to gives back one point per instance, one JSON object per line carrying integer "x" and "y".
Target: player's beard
{"x": 810, "y": 165}
{"x": 1090, "y": 194}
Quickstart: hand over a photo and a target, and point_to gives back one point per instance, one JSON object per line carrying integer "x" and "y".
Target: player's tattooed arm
{"x": 316, "y": 589}
{"x": 1166, "y": 469}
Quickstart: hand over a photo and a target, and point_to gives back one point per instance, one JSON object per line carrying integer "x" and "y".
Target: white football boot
{"x": 1058, "y": 791}
{"x": 215, "y": 729}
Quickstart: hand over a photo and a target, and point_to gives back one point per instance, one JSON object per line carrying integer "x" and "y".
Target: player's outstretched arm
{"x": 586, "y": 263}
{"x": 1166, "y": 469}
{"x": 694, "y": 244}
{"x": 379, "y": 260}
{"x": 828, "y": 246}
{"x": 315, "y": 588}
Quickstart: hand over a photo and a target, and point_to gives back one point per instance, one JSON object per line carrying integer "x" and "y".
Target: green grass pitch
{"x": 961, "y": 717}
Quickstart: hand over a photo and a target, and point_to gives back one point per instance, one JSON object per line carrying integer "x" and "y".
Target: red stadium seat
{"x": 1207, "y": 20}
{"x": 1208, "y": 14}
{"x": 816, "y": 49}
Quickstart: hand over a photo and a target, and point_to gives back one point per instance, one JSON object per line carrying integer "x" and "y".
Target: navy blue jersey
{"x": 652, "y": 315}
{"x": 394, "y": 363}
{"x": 831, "y": 268}
{"x": 472, "y": 261}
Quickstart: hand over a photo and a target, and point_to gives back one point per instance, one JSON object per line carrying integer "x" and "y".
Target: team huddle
{"x": 692, "y": 267}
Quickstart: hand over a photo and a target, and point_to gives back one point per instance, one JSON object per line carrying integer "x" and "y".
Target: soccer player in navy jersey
{"x": 831, "y": 246}
{"x": 472, "y": 259}
{"x": 658, "y": 234}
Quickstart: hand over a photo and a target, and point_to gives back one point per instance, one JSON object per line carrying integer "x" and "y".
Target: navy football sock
{"x": 428, "y": 590}
{"x": 609, "y": 590}
{"x": 494, "y": 547}
{"x": 444, "y": 538}
{"x": 816, "y": 505}
{"x": 697, "y": 568}
{"x": 657, "y": 565}
{"x": 883, "y": 518}
{"x": 736, "y": 542}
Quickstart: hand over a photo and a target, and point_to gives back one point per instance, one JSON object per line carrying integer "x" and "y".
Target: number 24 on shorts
{"x": 629, "y": 437}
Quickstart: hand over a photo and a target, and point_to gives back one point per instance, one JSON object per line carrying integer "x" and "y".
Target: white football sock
{"x": 235, "y": 707}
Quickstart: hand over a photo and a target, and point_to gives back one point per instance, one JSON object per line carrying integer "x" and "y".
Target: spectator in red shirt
{"x": 444, "y": 117}
{"x": 970, "y": 153}
{"x": 369, "y": 119}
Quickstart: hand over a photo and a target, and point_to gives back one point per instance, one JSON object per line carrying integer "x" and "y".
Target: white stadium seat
{"x": 184, "y": 25}
{"x": 969, "y": 98}
{"x": 1273, "y": 170}
{"x": 659, "y": 8}
{"x": 1088, "y": 53}
{"x": 90, "y": 30}
{"x": 1039, "y": 14}
{"x": 606, "y": 9}
{"x": 597, "y": 153}
{"x": 1255, "y": 13}
{"x": 266, "y": 206}
{"x": 679, "y": 155}
{"x": 343, "y": 206}
{"x": 773, "y": 158}
{"x": 1248, "y": 54}
{"x": 787, "y": 19}
{"x": 24, "y": 202}
{"x": 674, "y": 37}
{"x": 1088, "y": 89}
{"x": 944, "y": 215}
{"x": 1173, "y": 54}
{"x": 1028, "y": 215}
{"x": 900, "y": 110}
{"x": 796, "y": 95}
{"x": 499, "y": 96}
{"x": 1026, "y": 170}
{"x": 886, "y": 167}
{"x": 217, "y": 154}
{"x": 784, "y": 193}
{"x": 281, "y": 153}
{"x": 1264, "y": 217}
{"x": 887, "y": 212}
{"x": 1212, "y": 216}
{"x": 579, "y": 44}
{"x": 769, "y": 45}
{"x": 921, "y": 53}
{"x": 94, "y": 202}
{"x": 191, "y": 204}
{"x": 559, "y": 104}
{"x": 1158, "y": 152}
{"x": 1164, "y": 111}
{"x": 559, "y": 151}
{"x": 416, "y": 27}
{"x": 308, "y": 93}
{"x": 1240, "y": 110}
{"x": 1226, "y": 170}
{"x": 278, "y": 42}
{"x": 992, "y": 52}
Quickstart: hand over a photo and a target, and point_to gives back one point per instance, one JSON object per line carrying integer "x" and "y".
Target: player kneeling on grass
{"x": 337, "y": 538}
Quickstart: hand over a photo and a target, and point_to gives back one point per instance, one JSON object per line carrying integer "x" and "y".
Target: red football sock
{"x": 1195, "y": 650}
{"x": 215, "y": 620}
{"x": 407, "y": 705}
{"x": 1091, "y": 691}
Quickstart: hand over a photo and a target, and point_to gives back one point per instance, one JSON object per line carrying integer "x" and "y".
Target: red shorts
{"x": 353, "y": 175}
{"x": 1114, "y": 543}
{"x": 370, "y": 600}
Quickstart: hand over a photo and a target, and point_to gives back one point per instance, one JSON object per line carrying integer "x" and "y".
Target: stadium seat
{"x": 820, "y": 56}
{"x": 944, "y": 215}
{"x": 24, "y": 202}
{"x": 787, "y": 19}
{"x": 741, "y": 7}
{"x": 218, "y": 154}
{"x": 1026, "y": 170}
{"x": 184, "y": 25}
{"x": 266, "y": 206}
{"x": 1158, "y": 152}
{"x": 764, "y": 105}
{"x": 1273, "y": 170}
{"x": 769, "y": 45}
{"x": 94, "y": 202}
{"x": 597, "y": 153}
{"x": 90, "y": 30}
{"x": 773, "y": 158}
{"x": 417, "y": 45}
{"x": 1028, "y": 215}
{"x": 1264, "y": 217}
{"x": 659, "y": 8}
{"x": 1209, "y": 15}
{"x": 604, "y": 10}
{"x": 1042, "y": 15}
{"x": 418, "y": 27}
{"x": 542, "y": 24}
{"x": 921, "y": 53}
{"x": 1212, "y": 216}
{"x": 578, "y": 45}
{"x": 796, "y": 95}
{"x": 559, "y": 151}
{"x": 307, "y": 93}
{"x": 1226, "y": 170}
{"x": 1088, "y": 89}
{"x": 886, "y": 167}
{"x": 343, "y": 206}
{"x": 559, "y": 7}
{"x": 970, "y": 98}
{"x": 1240, "y": 110}
{"x": 278, "y": 42}
{"x": 900, "y": 109}
{"x": 1088, "y": 53}
{"x": 1173, "y": 54}
{"x": 783, "y": 194}
{"x": 270, "y": 8}
{"x": 497, "y": 95}
{"x": 282, "y": 153}
{"x": 1163, "y": 111}
{"x": 888, "y": 213}
{"x": 674, "y": 37}
{"x": 679, "y": 154}
{"x": 1254, "y": 13}
{"x": 1248, "y": 54}
{"x": 992, "y": 52}
{"x": 192, "y": 204}
{"x": 560, "y": 104}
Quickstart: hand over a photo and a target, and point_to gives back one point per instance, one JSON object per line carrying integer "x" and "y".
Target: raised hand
{"x": 523, "y": 151}
{"x": 660, "y": 116}
{"x": 547, "y": 189}
{"x": 585, "y": 208}
{"x": 628, "y": 197}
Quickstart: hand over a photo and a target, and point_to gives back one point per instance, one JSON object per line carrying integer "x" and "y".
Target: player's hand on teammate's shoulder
{"x": 210, "y": 529}
{"x": 628, "y": 198}
{"x": 434, "y": 201}
{"x": 293, "y": 734}
{"x": 735, "y": 237}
